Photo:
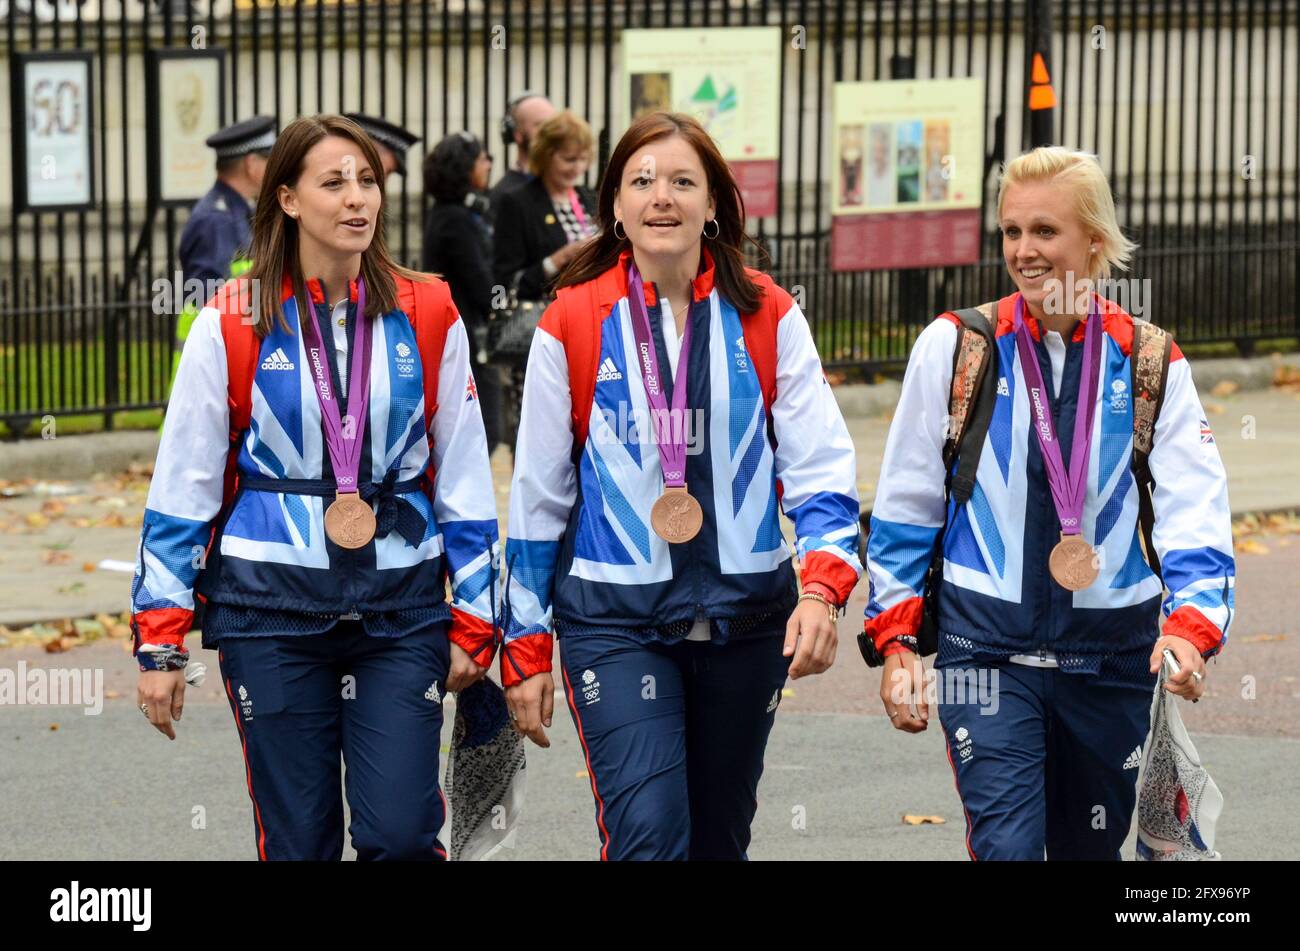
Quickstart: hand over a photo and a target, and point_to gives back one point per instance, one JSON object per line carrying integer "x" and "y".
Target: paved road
{"x": 90, "y": 788}
{"x": 107, "y": 787}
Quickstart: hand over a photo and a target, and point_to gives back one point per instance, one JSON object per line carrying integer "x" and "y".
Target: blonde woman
{"x": 543, "y": 224}
{"x": 1048, "y": 609}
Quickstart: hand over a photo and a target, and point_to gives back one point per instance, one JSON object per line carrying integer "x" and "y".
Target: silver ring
{"x": 1198, "y": 675}
{"x": 144, "y": 708}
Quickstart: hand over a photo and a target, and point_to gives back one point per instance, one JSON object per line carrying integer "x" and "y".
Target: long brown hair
{"x": 727, "y": 248}
{"x": 274, "y": 247}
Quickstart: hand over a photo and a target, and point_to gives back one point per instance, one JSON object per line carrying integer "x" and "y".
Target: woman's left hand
{"x": 463, "y": 670}
{"x": 1183, "y": 683}
{"x": 811, "y": 638}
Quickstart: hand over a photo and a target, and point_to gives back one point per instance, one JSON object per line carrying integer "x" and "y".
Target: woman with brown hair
{"x": 328, "y": 466}
{"x": 674, "y": 397}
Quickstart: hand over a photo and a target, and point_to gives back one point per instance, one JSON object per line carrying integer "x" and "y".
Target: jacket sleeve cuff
{"x": 1191, "y": 625}
{"x": 831, "y": 572}
{"x": 902, "y": 620}
{"x": 162, "y": 627}
{"x": 473, "y": 635}
{"x": 895, "y": 647}
{"x": 524, "y": 656}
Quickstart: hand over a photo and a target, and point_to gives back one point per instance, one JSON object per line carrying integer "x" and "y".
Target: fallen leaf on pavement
{"x": 1225, "y": 388}
{"x": 1214, "y": 409}
{"x": 1251, "y": 547}
{"x": 56, "y": 557}
{"x": 112, "y": 694}
{"x": 1260, "y": 638}
{"x": 36, "y": 520}
{"x": 54, "y": 726}
{"x": 87, "y": 566}
{"x": 923, "y": 820}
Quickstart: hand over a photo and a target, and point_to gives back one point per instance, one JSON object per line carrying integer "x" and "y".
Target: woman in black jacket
{"x": 458, "y": 247}
{"x": 542, "y": 225}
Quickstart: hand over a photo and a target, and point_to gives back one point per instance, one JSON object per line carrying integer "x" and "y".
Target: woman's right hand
{"x": 531, "y": 703}
{"x": 161, "y": 693}
{"x": 902, "y": 687}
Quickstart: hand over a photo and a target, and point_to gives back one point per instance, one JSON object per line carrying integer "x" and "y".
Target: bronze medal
{"x": 676, "y": 516}
{"x": 1073, "y": 563}
{"x": 349, "y": 522}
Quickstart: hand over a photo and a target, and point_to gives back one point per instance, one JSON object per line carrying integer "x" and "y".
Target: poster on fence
{"x": 907, "y": 167}
{"x": 184, "y": 95}
{"x": 53, "y": 145}
{"x": 729, "y": 78}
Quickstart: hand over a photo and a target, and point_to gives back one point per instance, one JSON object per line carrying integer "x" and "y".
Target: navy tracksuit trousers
{"x": 302, "y": 701}
{"x": 674, "y": 736}
{"x": 1050, "y": 766}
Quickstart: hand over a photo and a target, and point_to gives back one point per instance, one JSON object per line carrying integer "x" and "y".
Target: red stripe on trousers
{"x": 248, "y": 769}
{"x": 591, "y": 773}
{"x": 948, "y": 749}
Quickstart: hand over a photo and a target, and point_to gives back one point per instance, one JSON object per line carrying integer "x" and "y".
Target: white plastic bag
{"x": 1178, "y": 803}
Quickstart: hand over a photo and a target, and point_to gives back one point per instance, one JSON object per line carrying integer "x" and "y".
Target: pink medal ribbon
{"x": 670, "y": 438}
{"x": 676, "y": 517}
{"x": 1072, "y": 561}
{"x": 349, "y": 520}
{"x": 344, "y": 444}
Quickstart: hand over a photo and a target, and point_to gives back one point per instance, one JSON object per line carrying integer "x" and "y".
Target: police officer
{"x": 216, "y": 237}
{"x": 392, "y": 140}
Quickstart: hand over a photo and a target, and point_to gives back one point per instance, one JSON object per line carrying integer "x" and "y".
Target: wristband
{"x": 168, "y": 657}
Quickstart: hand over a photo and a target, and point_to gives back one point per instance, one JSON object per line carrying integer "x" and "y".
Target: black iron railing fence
{"x": 1192, "y": 106}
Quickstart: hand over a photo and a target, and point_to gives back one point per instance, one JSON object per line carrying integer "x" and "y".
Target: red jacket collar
{"x": 314, "y": 289}
{"x": 1108, "y": 309}
{"x": 701, "y": 286}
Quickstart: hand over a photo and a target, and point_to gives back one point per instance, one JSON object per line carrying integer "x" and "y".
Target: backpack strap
{"x": 579, "y": 312}
{"x": 1149, "y": 366}
{"x": 235, "y": 304}
{"x": 970, "y": 408}
{"x": 970, "y": 401}
{"x": 427, "y": 305}
{"x": 760, "y": 330}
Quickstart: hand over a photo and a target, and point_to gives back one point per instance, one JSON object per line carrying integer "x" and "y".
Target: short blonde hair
{"x": 1093, "y": 203}
{"x": 562, "y": 130}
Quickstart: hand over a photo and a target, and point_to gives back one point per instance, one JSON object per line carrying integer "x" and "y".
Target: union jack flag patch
{"x": 471, "y": 391}
{"x": 1206, "y": 435}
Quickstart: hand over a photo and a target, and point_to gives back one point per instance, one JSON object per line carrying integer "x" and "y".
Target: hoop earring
{"x": 717, "y": 228}
{"x": 623, "y": 236}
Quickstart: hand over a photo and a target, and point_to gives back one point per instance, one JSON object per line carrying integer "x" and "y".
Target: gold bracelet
{"x": 832, "y": 609}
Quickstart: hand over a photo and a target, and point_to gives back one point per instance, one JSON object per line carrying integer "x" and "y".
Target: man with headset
{"x": 525, "y": 114}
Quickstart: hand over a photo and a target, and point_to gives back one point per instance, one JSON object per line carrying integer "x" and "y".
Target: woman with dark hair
{"x": 669, "y": 392}
{"x": 458, "y": 248}
{"x": 328, "y": 473}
